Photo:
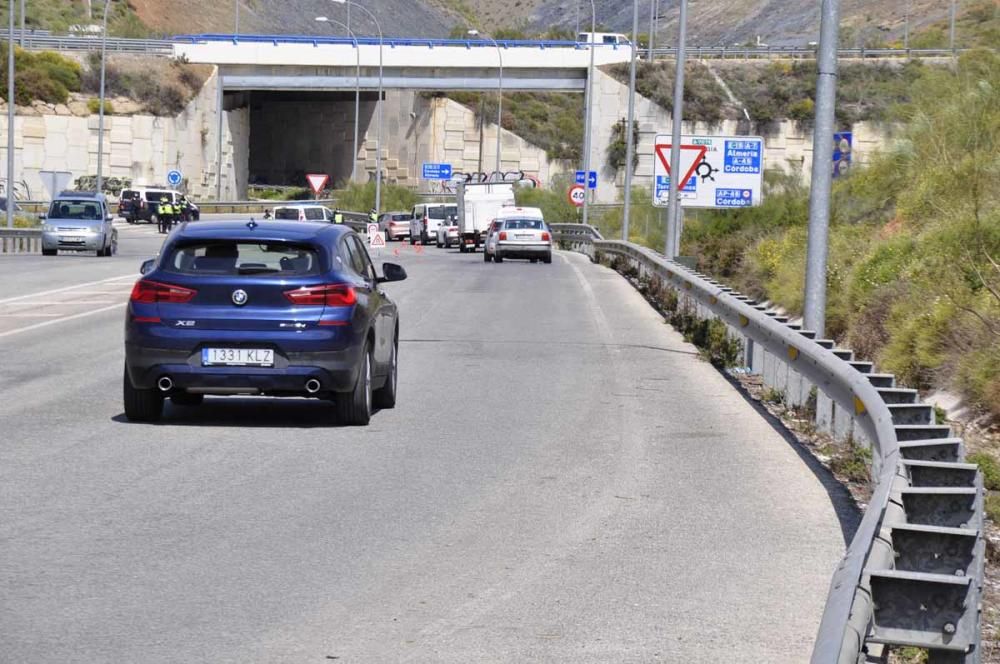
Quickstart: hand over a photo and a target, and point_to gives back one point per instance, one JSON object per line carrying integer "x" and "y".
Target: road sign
{"x": 715, "y": 171}
{"x": 376, "y": 239}
{"x": 437, "y": 171}
{"x": 55, "y": 181}
{"x": 174, "y": 178}
{"x": 317, "y": 181}
{"x": 576, "y": 195}
{"x": 842, "y": 148}
{"x": 590, "y": 181}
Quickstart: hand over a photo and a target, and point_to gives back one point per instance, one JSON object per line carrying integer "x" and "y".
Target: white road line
{"x": 60, "y": 320}
{"x": 53, "y": 303}
{"x": 64, "y": 289}
{"x": 30, "y": 316}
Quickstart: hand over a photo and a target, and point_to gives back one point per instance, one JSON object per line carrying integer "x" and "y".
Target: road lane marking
{"x": 64, "y": 289}
{"x": 53, "y": 303}
{"x": 30, "y": 315}
{"x": 61, "y": 320}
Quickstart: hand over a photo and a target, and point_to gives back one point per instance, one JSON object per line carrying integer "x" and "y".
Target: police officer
{"x": 163, "y": 212}
{"x": 185, "y": 210}
{"x": 338, "y": 217}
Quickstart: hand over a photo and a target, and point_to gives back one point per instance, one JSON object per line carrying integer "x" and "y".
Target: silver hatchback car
{"x": 79, "y": 221}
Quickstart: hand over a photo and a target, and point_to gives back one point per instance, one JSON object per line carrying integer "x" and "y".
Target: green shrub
{"x": 361, "y": 197}
{"x": 43, "y": 76}
{"x": 990, "y": 468}
{"x": 94, "y": 106}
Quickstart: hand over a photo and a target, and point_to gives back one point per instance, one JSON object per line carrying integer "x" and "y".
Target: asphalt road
{"x": 563, "y": 480}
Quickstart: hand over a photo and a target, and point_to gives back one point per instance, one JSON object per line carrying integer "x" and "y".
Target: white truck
{"x": 478, "y": 205}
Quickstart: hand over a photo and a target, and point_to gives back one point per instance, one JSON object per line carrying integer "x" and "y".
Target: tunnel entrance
{"x": 294, "y": 133}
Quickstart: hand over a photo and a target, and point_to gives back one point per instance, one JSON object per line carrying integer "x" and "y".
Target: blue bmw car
{"x": 276, "y": 309}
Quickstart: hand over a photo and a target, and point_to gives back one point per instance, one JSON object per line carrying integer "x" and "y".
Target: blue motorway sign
{"x": 174, "y": 178}
{"x": 437, "y": 171}
{"x": 591, "y": 181}
{"x": 733, "y": 198}
{"x": 742, "y": 156}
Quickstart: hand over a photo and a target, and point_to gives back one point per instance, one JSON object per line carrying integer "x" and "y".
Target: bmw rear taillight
{"x": 546, "y": 238}
{"x": 152, "y": 292}
{"x": 503, "y": 236}
{"x": 331, "y": 295}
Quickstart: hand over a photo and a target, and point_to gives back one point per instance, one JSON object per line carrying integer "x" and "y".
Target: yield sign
{"x": 317, "y": 182}
{"x": 691, "y": 156}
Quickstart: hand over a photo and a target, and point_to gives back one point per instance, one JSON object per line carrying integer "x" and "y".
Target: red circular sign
{"x": 576, "y": 195}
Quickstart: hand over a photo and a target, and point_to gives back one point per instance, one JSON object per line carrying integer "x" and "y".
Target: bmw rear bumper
{"x": 337, "y": 371}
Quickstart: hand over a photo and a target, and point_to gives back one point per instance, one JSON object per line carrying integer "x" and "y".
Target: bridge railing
{"x": 912, "y": 574}
{"x": 390, "y": 42}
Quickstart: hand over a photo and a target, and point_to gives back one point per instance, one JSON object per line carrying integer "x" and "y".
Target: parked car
{"x": 303, "y": 212}
{"x": 142, "y": 204}
{"x": 79, "y": 221}
{"x": 522, "y": 233}
{"x": 447, "y": 233}
{"x": 489, "y": 245}
{"x": 395, "y": 225}
{"x": 426, "y": 218}
{"x": 275, "y": 309}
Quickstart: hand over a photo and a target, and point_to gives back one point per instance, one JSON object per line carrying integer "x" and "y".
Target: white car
{"x": 304, "y": 212}
{"x": 519, "y": 232}
{"x": 447, "y": 234}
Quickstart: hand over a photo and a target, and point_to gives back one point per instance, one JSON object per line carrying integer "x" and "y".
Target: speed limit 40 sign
{"x": 577, "y": 194}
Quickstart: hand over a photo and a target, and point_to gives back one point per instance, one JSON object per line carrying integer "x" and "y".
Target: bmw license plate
{"x": 237, "y": 357}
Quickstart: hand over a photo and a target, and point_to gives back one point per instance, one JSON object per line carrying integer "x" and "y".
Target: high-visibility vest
{"x": 338, "y": 218}
{"x": 164, "y": 208}
{"x": 373, "y": 216}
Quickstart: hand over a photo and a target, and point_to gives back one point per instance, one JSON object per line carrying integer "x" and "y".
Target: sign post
{"x": 715, "y": 171}
{"x": 317, "y": 182}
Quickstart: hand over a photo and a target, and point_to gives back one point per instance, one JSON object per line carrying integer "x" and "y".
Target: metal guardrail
{"x": 162, "y": 47}
{"x": 778, "y": 52}
{"x": 913, "y": 572}
{"x": 20, "y": 240}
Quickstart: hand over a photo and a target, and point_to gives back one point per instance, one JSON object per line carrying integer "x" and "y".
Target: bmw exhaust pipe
{"x": 165, "y": 384}
{"x": 313, "y": 386}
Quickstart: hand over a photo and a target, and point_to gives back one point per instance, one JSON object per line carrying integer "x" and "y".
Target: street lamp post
{"x": 589, "y": 102}
{"x": 652, "y": 28}
{"x": 10, "y": 120}
{"x": 357, "y": 90}
{"x": 475, "y": 33}
{"x": 100, "y": 120}
{"x": 378, "y": 138}
{"x": 674, "y": 213}
{"x": 629, "y": 143}
{"x": 236, "y": 30}
{"x": 821, "y": 179}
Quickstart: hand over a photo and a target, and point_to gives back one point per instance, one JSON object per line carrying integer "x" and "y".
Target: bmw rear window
{"x": 229, "y": 258}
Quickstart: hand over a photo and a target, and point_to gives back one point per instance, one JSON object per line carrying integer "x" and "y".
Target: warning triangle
{"x": 691, "y": 156}
{"x": 377, "y": 241}
{"x": 317, "y": 181}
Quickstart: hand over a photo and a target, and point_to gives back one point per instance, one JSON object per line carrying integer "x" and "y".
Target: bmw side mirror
{"x": 147, "y": 266}
{"x": 392, "y": 272}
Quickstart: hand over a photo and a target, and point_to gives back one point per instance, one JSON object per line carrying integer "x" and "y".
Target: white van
{"x": 612, "y": 38}
{"x": 426, "y": 219}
